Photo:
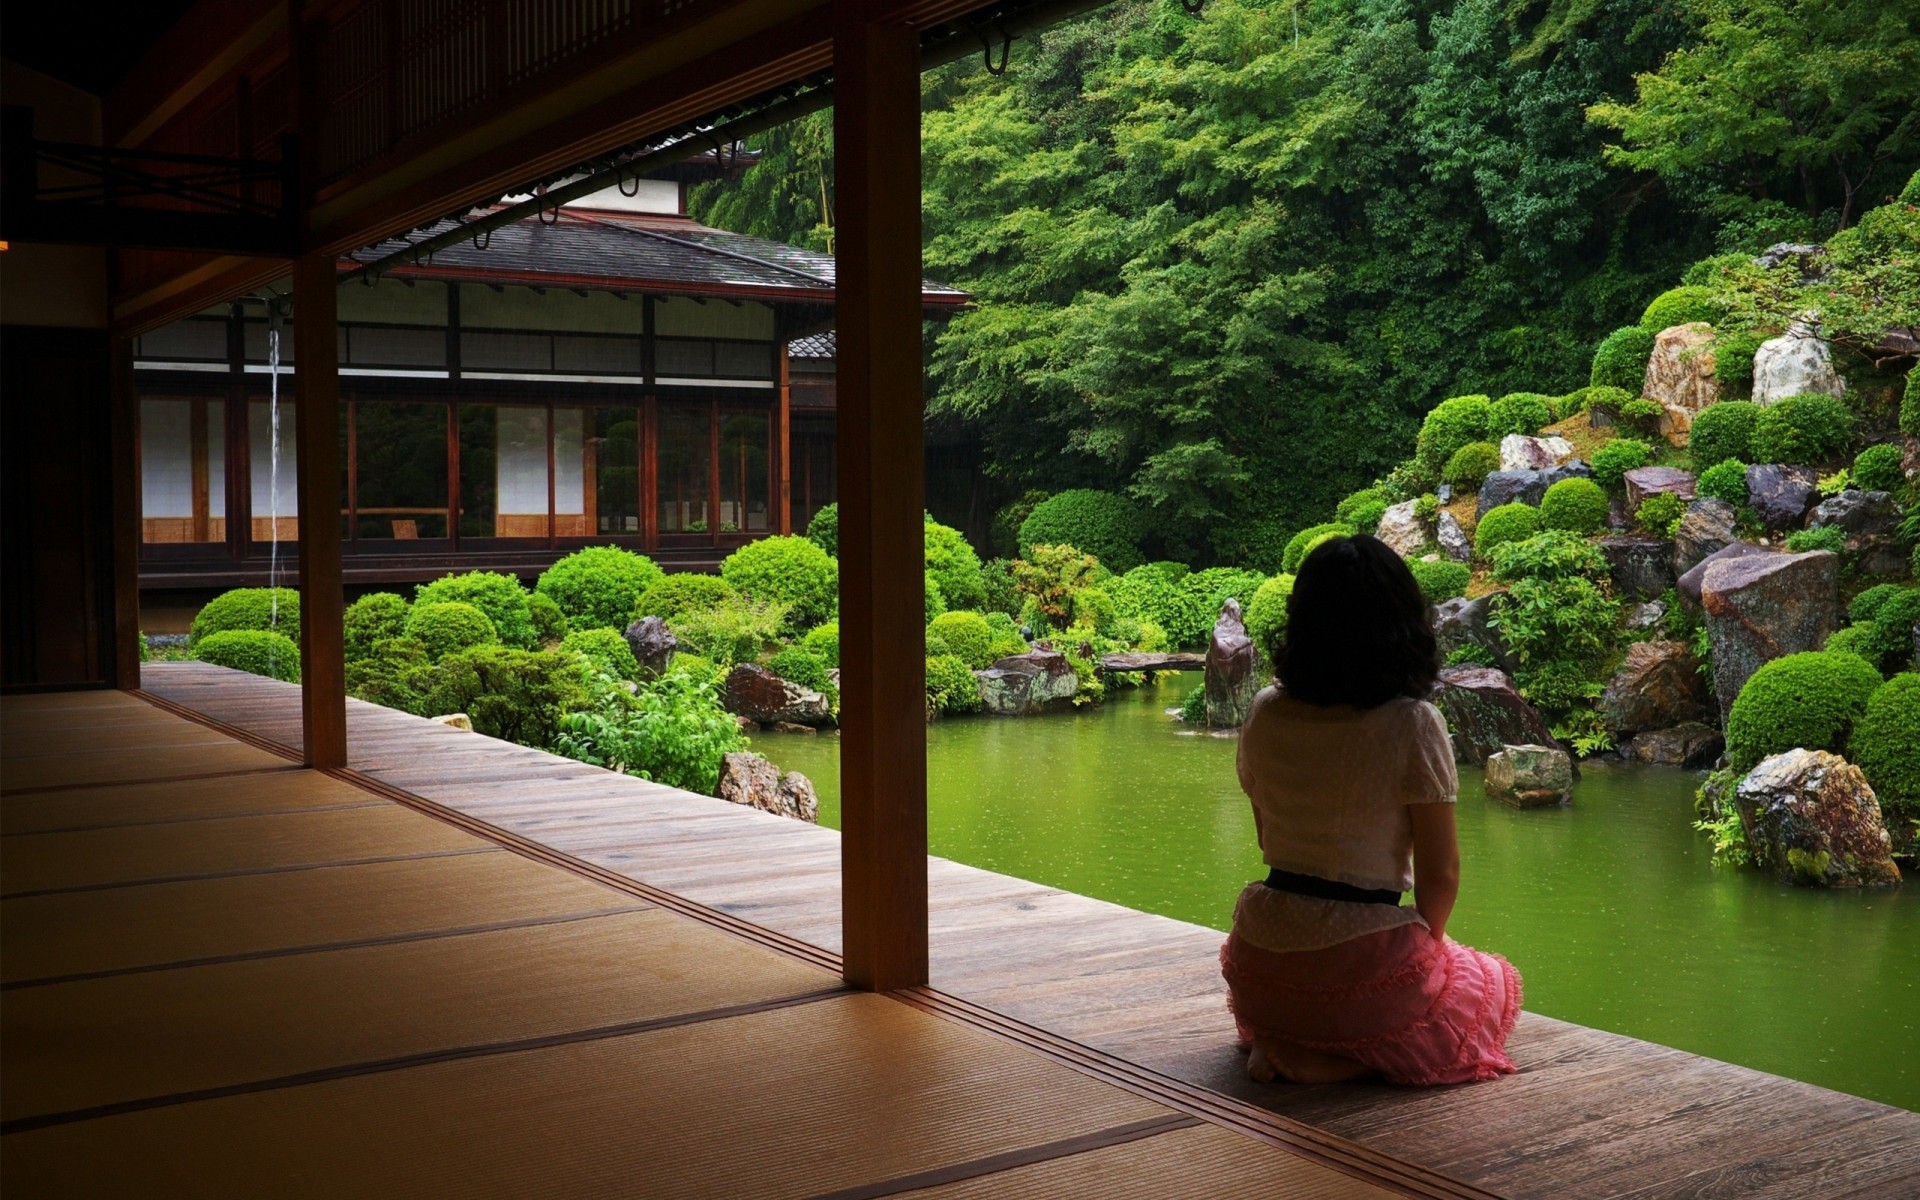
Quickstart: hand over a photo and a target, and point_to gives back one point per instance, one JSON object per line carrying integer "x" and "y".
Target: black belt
{"x": 1327, "y": 889}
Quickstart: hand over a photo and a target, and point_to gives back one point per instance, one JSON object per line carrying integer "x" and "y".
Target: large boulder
{"x": 1763, "y": 606}
{"x": 1402, "y": 530}
{"x": 1781, "y": 493}
{"x": 652, "y": 644}
{"x": 1530, "y": 776}
{"x": 1462, "y": 622}
{"x": 1451, "y": 538}
{"x": 1871, "y": 523}
{"x": 1688, "y": 585}
{"x": 748, "y": 779}
{"x": 1811, "y": 819}
{"x": 1657, "y": 686}
{"x": 1796, "y": 362}
{"x": 1233, "y": 675}
{"x": 1680, "y": 376}
{"x": 1519, "y": 452}
{"x": 1691, "y": 744}
{"x": 1642, "y": 482}
{"x": 1487, "y": 713}
{"x": 1810, "y": 260}
{"x": 1525, "y": 487}
{"x": 1707, "y": 525}
{"x": 1639, "y": 566}
{"x": 1025, "y": 685}
{"x": 758, "y": 694}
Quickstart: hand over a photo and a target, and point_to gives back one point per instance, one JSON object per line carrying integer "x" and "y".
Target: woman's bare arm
{"x": 1436, "y": 864}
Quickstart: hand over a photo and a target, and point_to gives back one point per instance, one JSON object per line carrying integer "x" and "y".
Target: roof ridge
{"x": 654, "y": 233}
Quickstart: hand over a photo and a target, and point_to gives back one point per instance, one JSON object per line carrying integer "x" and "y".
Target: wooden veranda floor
{"x": 1133, "y": 999}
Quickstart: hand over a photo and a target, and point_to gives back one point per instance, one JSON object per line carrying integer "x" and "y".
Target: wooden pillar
{"x": 783, "y": 448}
{"x": 323, "y": 686}
{"x": 883, "y": 745}
{"x": 125, "y": 530}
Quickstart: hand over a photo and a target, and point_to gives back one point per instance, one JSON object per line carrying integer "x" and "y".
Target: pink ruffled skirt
{"x": 1418, "y": 1010}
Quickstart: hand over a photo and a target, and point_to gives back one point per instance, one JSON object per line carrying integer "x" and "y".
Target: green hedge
{"x": 952, "y": 688}
{"x": 1507, "y": 523}
{"x": 1886, "y": 747}
{"x": 1520, "y": 412}
{"x": 255, "y": 651}
{"x": 499, "y": 596}
{"x": 248, "y": 608}
{"x": 1576, "y": 505}
{"x": 1471, "y": 464}
{"x": 372, "y": 619}
{"x": 1877, "y": 468}
{"x": 599, "y": 586}
{"x": 824, "y": 530}
{"x": 1450, "y": 425}
{"x": 675, "y": 596}
{"x": 955, "y": 566}
{"x": 1616, "y": 458}
{"x": 801, "y": 666}
{"x": 1802, "y": 429}
{"x": 446, "y": 627}
{"x": 605, "y": 649}
{"x": 550, "y": 625}
{"x": 1440, "y": 580}
{"x": 1809, "y": 700}
{"x": 967, "y": 635}
{"x": 824, "y": 640}
{"x": 791, "y": 571}
{"x": 1102, "y": 524}
{"x": 1620, "y": 360}
{"x": 1681, "y": 306}
{"x": 1722, "y": 431}
{"x": 1724, "y": 480}
{"x": 516, "y": 695}
{"x": 1266, "y": 614}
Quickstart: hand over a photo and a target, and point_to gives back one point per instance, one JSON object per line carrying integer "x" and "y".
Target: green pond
{"x": 1610, "y": 908}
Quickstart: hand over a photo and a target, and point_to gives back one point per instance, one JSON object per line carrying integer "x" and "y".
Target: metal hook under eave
{"x": 554, "y": 219}
{"x": 621, "y": 183}
{"x": 480, "y": 245}
{"x": 1006, "y": 52}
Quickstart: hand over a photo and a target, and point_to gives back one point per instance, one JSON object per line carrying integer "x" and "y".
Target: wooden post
{"x": 323, "y": 688}
{"x": 783, "y": 439}
{"x": 125, "y": 531}
{"x": 883, "y": 745}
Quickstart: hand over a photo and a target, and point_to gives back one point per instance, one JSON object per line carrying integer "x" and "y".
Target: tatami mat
{"x": 118, "y": 929}
{"x": 20, "y": 746}
{"x": 186, "y": 799}
{"x": 103, "y": 764}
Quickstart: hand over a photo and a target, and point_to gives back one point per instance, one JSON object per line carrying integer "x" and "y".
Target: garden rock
{"x": 1657, "y": 686}
{"x": 1781, "y": 493}
{"x": 1524, "y": 487}
{"x": 1706, "y": 527}
{"x": 1487, "y": 713}
{"x": 1796, "y": 362}
{"x": 1763, "y": 606}
{"x": 1233, "y": 677}
{"x": 1024, "y": 685}
{"x": 1453, "y": 540}
{"x": 1690, "y": 744}
{"x": 1646, "y": 616}
{"x": 1642, "y": 482}
{"x": 1871, "y": 522}
{"x": 653, "y": 645}
{"x": 1518, "y": 452}
{"x": 750, "y": 780}
{"x": 1806, "y": 257}
{"x": 1680, "y": 377}
{"x": 456, "y": 721}
{"x": 1120, "y": 663}
{"x": 1688, "y": 584}
{"x": 1402, "y": 530}
{"x": 1530, "y": 776}
{"x": 1639, "y": 566}
{"x": 758, "y": 694}
{"x": 1811, "y": 819}
{"x": 1462, "y": 622}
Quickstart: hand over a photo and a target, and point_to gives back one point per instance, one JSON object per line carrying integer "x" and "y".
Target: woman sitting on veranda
{"x": 1351, "y": 775}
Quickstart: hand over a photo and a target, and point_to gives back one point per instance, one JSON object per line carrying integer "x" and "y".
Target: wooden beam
{"x": 883, "y": 747}
{"x": 200, "y": 51}
{"x": 323, "y": 685}
{"x": 124, "y": 421}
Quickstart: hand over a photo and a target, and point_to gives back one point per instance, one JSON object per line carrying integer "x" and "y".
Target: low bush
{"x": 1877, "y": 468}
{"x": 549, "y": 623}
{"x": 248, "y": 608}
{"x": 675, "y": 596}
{"x": 1207, "y": 591}
{"x": 955, "y": 566}
{"x": 1576, "y": 505}
{"x": 1724, "y": 480}
{"x": 444, "y": 627}
{"x": 790, "y": 571}
{"x": 1643, "y": 415}
{"x": 1093, "y": 606}
{"x": 1620, "y": 360}
{"x": 1733, "y": 359}
{"x": 1301, "y": 543}
{"x": 798, "y": 665}
{"x": 1521, "y": 412}
{"x": 936, "y": 601}
{"x": 605, "y": 650}
{"x": 391, "y": 675}
{"x": 516, "y": 695}
{"x": 1827, "y": 537}
{"x": 372, "y": 618}
{"x": 1616, "y": 458}
{"x": 1553, "y": 554}
{"x": 1102, "y": 524}
{"x": 824, "y": 640}
{"x": 1440, "y": 580}
{"x": 598, "y": 587}
{"x": 1566, "y": 619}
{"x": 996, "y": 576}
{"x": 1885, "y": 745}
{"x": 936, "y": 645}
{"x": 255, "y": 651}
{"x": 499, "y": 596}
{"x": 1722, "y": 431}
{"x": 967, "y": 636}
{"x": 1612, "y": 399}
{"x": 1867, "y": 605}
{"x": 1889, "y": 646}
{"x": 952, "y": 688}
{"x": 730, "y": 633}
{"x": 1910, "y": 405}
{"x": 1802, "y": 429}
{"x": 1266, "y": 615}
{"x": 1471, "y": 464}
{"x": 1859, "y": 638}
{"x": 672, "y": 731}
{"x": 824, "y": 530}
{"x": 1660, "y": 513}
{"x": 1050, "y": 577}
{"x": 1008, "y": 642}
{"x": 1450, "y": 425}
{"x": 1363, "y": 500}
{"x": 1809, "y": 700}
{"x": 1681, "y": 306}
{"x": 1507, "y": 523}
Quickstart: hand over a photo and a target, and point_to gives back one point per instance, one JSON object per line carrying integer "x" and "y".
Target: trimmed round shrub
{"x": 446, "y": 627}
{"x": 824, "y": 530}
{"x": 1733, "y": 359}
{"x": 1576, "y": 505}
{"x": 1471, "y": 464}
{"x": 255, "y": 651}
{"x": 1362, "y": 500}
{"x": 824, "y": 640}
{"x": 936, "y": 645}
{"x": 1886, "y": 747}
{"x": 1642, "y": 414}
{"x": 967, "y": 635}
{"x": 1093, "y": 606}
{"x": 372, "y": 618}
{"x": 1877, "y": 469}
{"x": 499, "y": 596}
{"x": 549, "y": 623}
{"x": 1266, "y": 614}
{"x": 1616, "y": 458}
{"x": 599, "y": 586}
{"x": 936, "y": 602}
{"x": 1809, "y": 700}
{"x": 1858, "y": 638}
{"x": 1620, "y": 360}
{"x": 605, "y": 649}
{"x": 1508, "y": 523}
{"x": 1681, "y": 306}
{"x": 1441, "y": 580}
{"x": 1451, "y": 425}
{"x": 1722, "y": 431}
{"x": 1867, "y": 605}
{"x": 951, "y": 686}
{"x": 1520, "y": 412}
{"x": 1724, "y": 480}
{"x": 797, "y": 664}
{"x": 790, "y": 570}
{"x": 248, "y": 608}
{"x": 674, "y": 596}
{"x": 1802, "y": 429}
{"x": 1613, "y": 399}
{"x": 1304, "y": 541}
{"x": 1830, "y": 538}
{"x": 1892, "y": 622}
{"x": 1660, "y": 513}
{"x": 1102, "y": 524}
{"x": 955, "y": 566}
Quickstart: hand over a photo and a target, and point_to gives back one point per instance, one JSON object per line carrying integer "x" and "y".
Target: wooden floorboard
{"x": 1590, "y": 1113}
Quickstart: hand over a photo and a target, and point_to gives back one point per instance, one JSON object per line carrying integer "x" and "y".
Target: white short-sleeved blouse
{"x": 1331, "y": 787}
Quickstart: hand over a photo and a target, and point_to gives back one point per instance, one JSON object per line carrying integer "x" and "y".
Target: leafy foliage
{"x": 1809, "y": 700}
{"x": 954, "y": 566}
{"x": 1442, "y": 580}
{"x": 549, "y": 623}
{"x": 255, "y": 651}
{"x": 371, "y": 619}
{"x": 672, "y": 731}
{"x": 1303, "y": 542}
{"x": 1877, "y": 468}
{"x": 1802, "y": 429}
{"x": 1831, "y": 538}
{"x": 1680, "y": 306}
{"x": 675, "y": 596}
{"x": 951, "y": 686}
{"x": 1452, "y": 424}
{"x": 1620, "y": 360}
{"x": 1266, "y": 614}
{"x": 1724, "y": 480}
{"x": 1885, "y": 745}
{"x": 967, "y": 635}
{"x": 798, "y": 665}
{"x": 605, "y": 649}
{"x": 1102, "y": 524}
{"x": 1519, "y": 412}
{"x": 824, "y": 640}
{"x": 1661, "y": 512}
{"x": 1578, "y": 505}
{"x": 1616, "y": 458}
{"x": 1506, "y": 523}
{"x": 1471, "y": 464}
{"x": 791, "y": 571}
{"x": 499, "y": 596}
{"x": 599, "y": 586}
{"x": 824, "y": 530}
{"x": 726, "y": 634}
{"x": 516, "y": 695}
{"x": 444, "y": 627}
{"x": 1553, "y": 554}
{"x": 248, "y": 608}
{"x": 1722, "y": 431}
{"x": 1051, "y": 576}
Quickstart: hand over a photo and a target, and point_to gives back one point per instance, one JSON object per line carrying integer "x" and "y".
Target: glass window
{"x": 479, "y": 463}
{"x": 612, "y": 465}
{"x": 503, "y": 470}
{"x": 400, "y": 470}
{"x": 183, "y": 470}
{"x": 686, "y": 451}
{"x": 276, "y": 491}
{"x": 813, "y": 474}
{"x": 746, "y": 476}
{"x": 569, "y": 473}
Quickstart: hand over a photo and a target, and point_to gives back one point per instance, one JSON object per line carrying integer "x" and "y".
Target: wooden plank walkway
{"x": 1589, "y": 1114}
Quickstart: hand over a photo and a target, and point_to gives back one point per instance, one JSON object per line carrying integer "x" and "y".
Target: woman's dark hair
{"x": 1358, "y": 630}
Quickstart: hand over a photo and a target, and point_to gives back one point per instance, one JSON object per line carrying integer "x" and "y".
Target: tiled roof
{"x": 641, "y": 252}
{"x": 819, "y": 345}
